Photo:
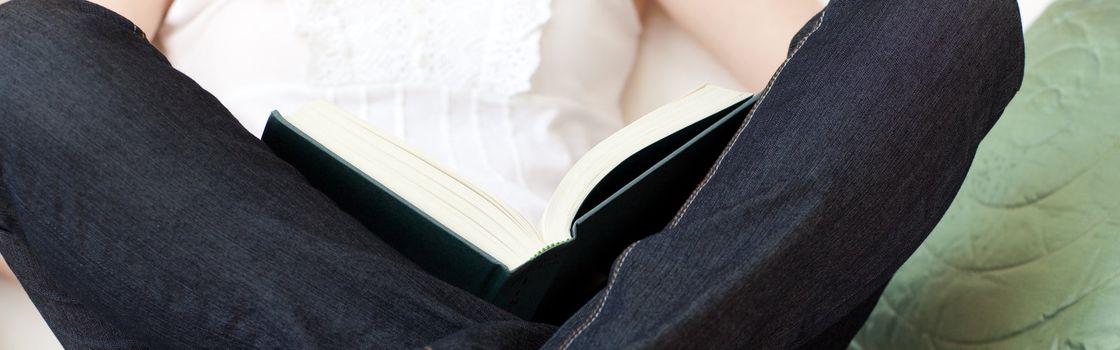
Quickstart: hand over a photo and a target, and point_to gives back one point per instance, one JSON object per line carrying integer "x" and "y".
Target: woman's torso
{"x": 508, "y": 93}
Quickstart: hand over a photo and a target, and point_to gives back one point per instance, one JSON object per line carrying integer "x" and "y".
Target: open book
{"x": 628, "y": 186}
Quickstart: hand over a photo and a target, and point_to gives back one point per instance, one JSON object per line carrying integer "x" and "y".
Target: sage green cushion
{"x": 1028, "y": 256}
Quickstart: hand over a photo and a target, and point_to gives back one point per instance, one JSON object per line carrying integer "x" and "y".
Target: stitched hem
{"x": 602, "y": 302}
{"x": 614, "y": 274}
{"x": 738, "y": 133}
{"x": 113, "y": 17}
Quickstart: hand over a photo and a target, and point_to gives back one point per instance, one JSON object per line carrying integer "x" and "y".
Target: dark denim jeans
{"x": 139, "y": 214}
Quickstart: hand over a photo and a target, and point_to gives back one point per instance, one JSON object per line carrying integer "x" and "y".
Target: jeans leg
{"x": 850, "y": 158}
{"x": 143, "y": 215}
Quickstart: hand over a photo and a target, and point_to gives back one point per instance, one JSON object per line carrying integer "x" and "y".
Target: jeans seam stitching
{"x": 602, "y": 302}
{"x": 738, "y": 133}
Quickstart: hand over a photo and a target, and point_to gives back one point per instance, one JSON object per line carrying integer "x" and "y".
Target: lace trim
{"x": 492, "y": 46}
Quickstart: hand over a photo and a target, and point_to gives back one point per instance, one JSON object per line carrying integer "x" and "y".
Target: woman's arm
{"x": 147, "y": 14}
{"x": 750, "y": 37}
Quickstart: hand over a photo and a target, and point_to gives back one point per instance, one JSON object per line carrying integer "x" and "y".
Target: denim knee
{"x": 49, "y": 33}
{"x": 51, "y": 50}
{"x": 61, "y": 15}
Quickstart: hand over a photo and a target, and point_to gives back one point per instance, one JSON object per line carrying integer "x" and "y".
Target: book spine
{"x": 523, "y": 291}
{"x": 421, "y": 239}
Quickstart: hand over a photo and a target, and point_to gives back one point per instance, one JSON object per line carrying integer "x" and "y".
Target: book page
{"x": 608, "y": 154}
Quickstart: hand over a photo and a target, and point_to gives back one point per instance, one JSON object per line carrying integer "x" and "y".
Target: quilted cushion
{"x": 1028, "y": 256}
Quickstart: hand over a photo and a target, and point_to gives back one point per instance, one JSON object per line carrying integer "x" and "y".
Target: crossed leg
{"x": 138, "y": 213}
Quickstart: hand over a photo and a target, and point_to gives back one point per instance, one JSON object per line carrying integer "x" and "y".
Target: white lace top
{"x": 507, "y": 92}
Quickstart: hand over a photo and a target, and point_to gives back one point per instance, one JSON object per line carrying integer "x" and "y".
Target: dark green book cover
{"x": 636, "y": 199}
